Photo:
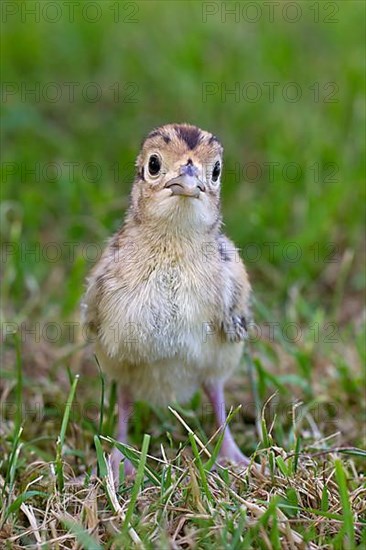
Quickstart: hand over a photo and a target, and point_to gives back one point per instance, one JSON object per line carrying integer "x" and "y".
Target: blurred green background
{"x": 104, "y": 79}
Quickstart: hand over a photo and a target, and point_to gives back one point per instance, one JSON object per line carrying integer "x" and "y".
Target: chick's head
{"x": 178, "y": 178}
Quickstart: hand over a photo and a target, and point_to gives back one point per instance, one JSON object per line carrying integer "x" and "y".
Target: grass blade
{"x": 12, "y": 465}
{"x": 201, "y": 468}
{"x": 14, "y": 506}
{"x": 346, "y": 505}
{"x": 102, "y": 395}
{"x": 61, "y": 437}
{"x": 110, "y": 416}
{"x": 19, "y": 384}
{"x": 134, "y": 456}
{"x": 297, "y": 453}
{"x": 324, "y": 505}
{"x": 215, "y": 453}
{"x": 101, "y": 461}
{"x": 138, "y": 482}
{"x": 82, "y": 536}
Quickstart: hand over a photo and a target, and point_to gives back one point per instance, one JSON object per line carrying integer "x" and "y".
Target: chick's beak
{"x": 187, "y": 183}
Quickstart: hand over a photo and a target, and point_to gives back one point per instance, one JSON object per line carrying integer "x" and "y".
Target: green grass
{"x": 301, "y": 382}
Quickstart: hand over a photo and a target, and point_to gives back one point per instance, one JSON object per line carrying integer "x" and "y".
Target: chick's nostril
{"x": 189, "y": 170}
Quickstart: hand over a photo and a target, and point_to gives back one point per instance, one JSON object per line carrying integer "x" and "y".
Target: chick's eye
{"x": 154, "y": 165}
{"x": 216, "y": 171}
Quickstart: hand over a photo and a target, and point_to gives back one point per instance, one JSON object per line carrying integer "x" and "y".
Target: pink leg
{"x": 229, "y": 450}
{"x": 125, "y": 407}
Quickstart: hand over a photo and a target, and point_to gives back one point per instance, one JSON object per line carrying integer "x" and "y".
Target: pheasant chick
{"x": 169, "y": 299}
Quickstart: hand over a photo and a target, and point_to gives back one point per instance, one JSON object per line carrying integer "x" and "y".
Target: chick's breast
{"x": 151, "y": 307}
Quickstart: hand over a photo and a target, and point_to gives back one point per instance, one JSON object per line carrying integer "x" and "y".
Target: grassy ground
{"x": 293, "y": 200}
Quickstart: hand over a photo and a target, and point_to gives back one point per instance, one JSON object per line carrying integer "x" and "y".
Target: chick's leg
{"x": 229, "y": 449}
{"x": 125, "y": 407}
